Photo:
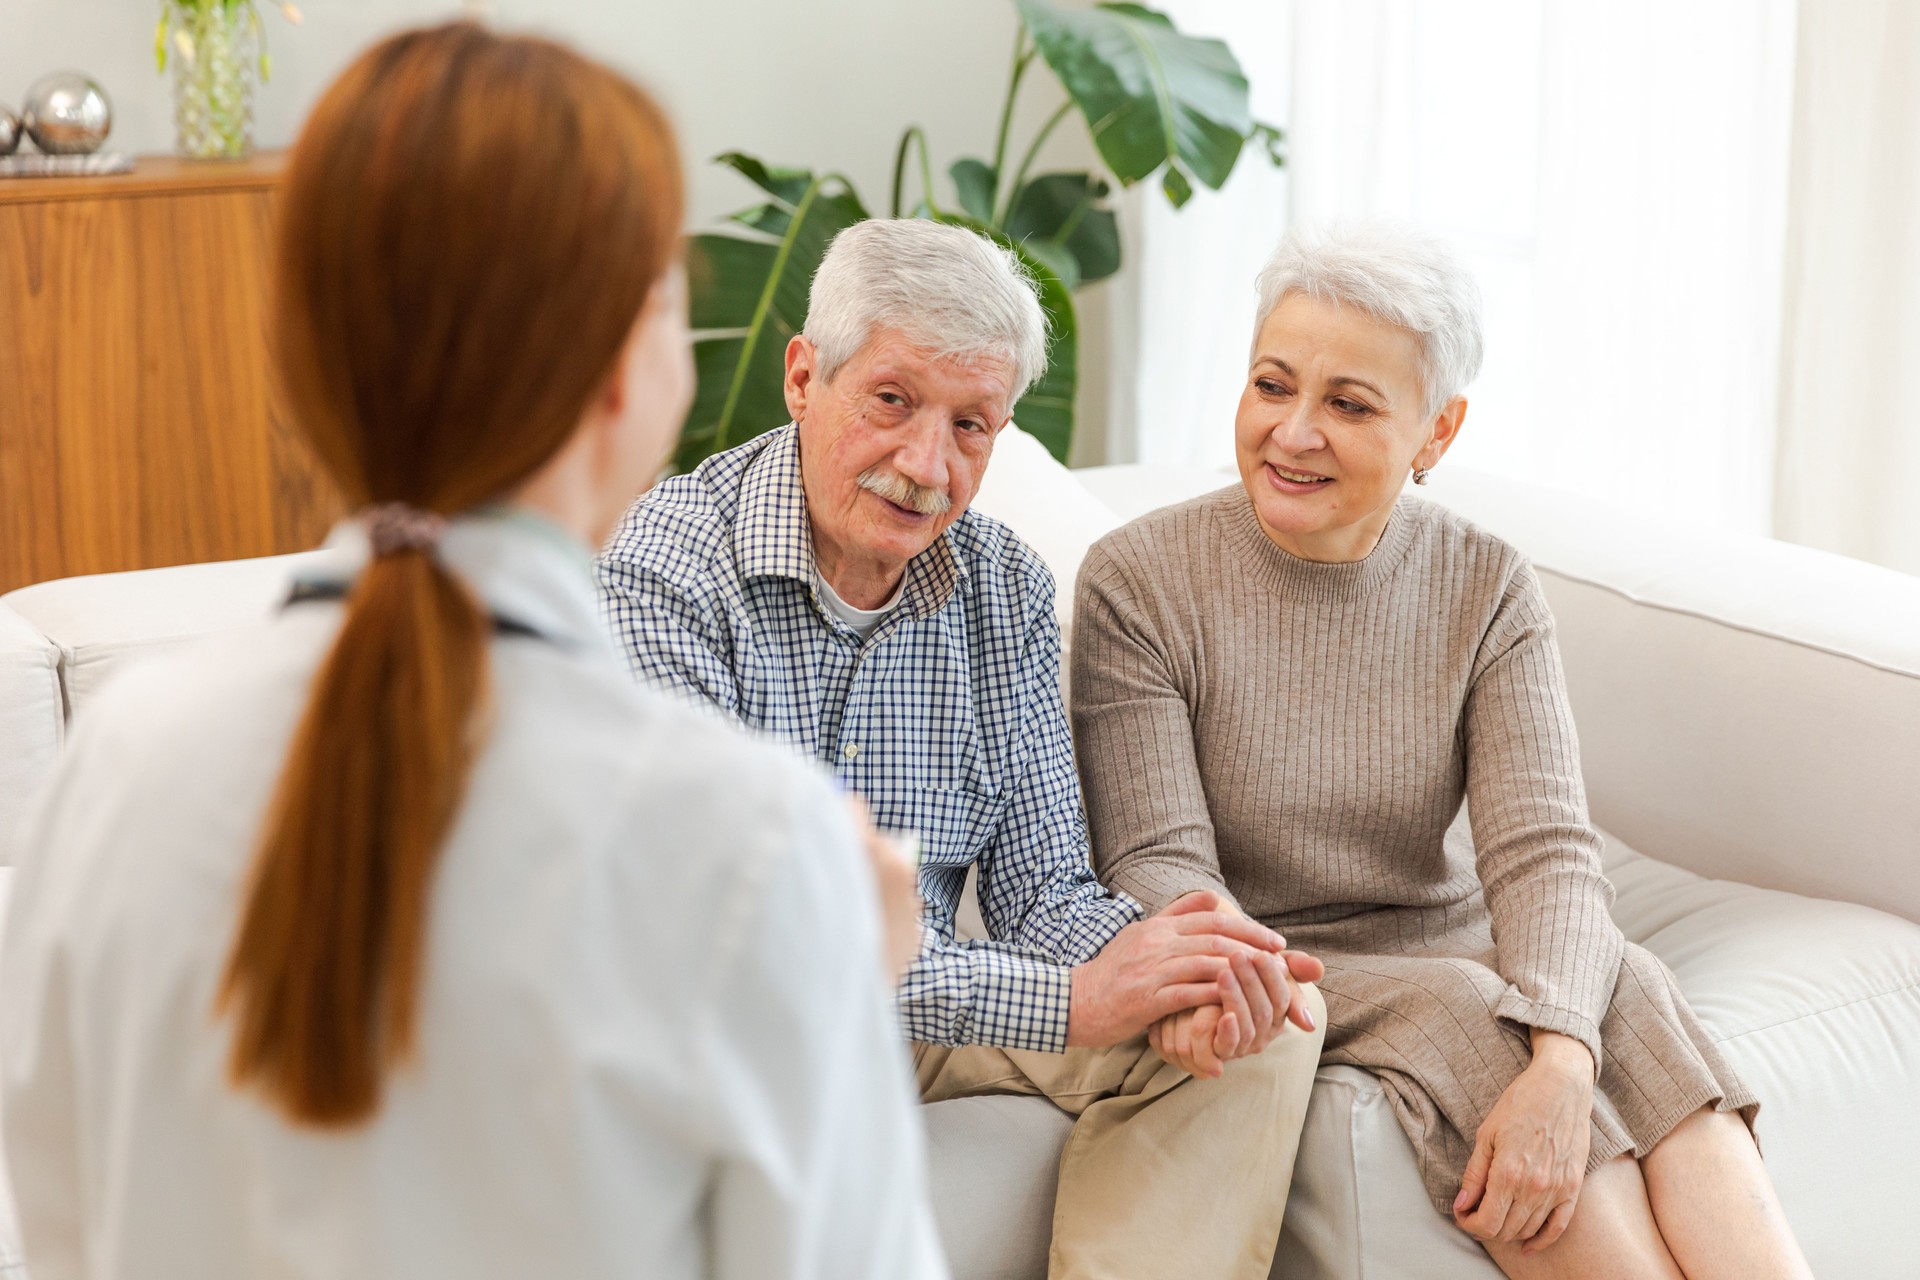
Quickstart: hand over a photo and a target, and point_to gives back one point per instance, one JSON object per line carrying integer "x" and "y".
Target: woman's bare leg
{"x": 1716, "y": 1205}
{"x": 1613, "y": 1235}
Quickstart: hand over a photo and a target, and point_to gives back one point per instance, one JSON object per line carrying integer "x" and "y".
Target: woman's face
{"x": 1331, "y": 423}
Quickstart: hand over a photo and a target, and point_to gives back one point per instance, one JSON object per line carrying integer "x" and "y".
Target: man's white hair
{"x": 944, "y": 288}
{"x": 1393, "y": 274}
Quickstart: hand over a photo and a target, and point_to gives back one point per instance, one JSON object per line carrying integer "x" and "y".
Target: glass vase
{"x": 213, "y": 77}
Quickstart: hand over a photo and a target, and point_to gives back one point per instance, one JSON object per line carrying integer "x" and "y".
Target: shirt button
{"x": 851, "y": 751}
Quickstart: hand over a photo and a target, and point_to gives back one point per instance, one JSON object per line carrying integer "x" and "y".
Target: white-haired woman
{"x": 1285, "y": 691}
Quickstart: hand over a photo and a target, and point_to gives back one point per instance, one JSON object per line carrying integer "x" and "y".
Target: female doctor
{"x": 405, "y": 937}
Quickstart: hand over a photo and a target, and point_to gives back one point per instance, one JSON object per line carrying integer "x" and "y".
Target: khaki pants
{"x": 1164, "y": 1175}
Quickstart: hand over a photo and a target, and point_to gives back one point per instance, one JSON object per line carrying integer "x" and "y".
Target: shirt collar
{"x": 526, "y": 569}
{"x": 772, "y": 537}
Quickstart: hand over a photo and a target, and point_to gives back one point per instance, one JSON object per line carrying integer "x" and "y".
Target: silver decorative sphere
{"x": 66, "y": 114}
{"x": 9, "y": 131}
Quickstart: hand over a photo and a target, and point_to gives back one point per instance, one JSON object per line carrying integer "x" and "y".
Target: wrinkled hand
{"x": 1257, "y": 998}
{"x": 1158, "y": 966}
{"x": 1530, "y": 1157}
{"x": 899, "y": 886}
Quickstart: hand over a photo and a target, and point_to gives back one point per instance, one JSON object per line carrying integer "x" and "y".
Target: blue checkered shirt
{"x": 947, "y": 718}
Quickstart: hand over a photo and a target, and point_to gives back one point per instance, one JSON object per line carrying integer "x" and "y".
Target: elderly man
{"x": 826, "y": 583}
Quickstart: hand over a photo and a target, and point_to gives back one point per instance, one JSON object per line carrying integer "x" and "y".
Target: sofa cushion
{"x": 32, "y": 721}
{"x": 1816, "y": 1003}
{"x": 991, "y": 1178}
{"x": 100, "y": 621}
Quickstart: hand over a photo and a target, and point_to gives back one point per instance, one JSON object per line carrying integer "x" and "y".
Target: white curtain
{"x": 1849, "y": 453}
{"x": 1181, "y": 314}
{"x": 1617, "y": 176}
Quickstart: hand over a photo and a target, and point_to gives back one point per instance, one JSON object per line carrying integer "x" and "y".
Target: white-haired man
{"x": 826, "y": 583}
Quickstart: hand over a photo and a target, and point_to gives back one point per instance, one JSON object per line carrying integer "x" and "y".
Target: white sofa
{"x": 1750, "y": 723}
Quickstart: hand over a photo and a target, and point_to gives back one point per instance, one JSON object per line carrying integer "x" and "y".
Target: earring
{"x": 1420, "y": 474}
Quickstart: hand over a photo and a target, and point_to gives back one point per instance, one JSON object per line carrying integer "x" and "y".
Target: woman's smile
{"x": 1290, "y": 480}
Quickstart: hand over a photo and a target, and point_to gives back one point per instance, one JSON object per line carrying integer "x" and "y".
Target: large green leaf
{"x": 749, "y": 297}
{"x": 1046, "y": 411}
{"x": 1064, "y": 209}
{"x": 1151, "y": 96}
{"x": 973, "y": 182}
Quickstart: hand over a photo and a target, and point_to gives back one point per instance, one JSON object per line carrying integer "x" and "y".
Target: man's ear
{"x": 801, "y": 371}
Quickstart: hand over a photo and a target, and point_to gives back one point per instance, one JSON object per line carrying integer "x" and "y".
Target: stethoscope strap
{"x": 336, "y": 593}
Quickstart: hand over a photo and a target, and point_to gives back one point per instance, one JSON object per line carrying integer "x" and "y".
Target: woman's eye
{"x": 1268, "y": 387}
{"x": 892, "y": 397}
{"x": 1352, "y": 407}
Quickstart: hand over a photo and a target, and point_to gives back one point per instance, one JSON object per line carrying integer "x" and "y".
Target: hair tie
{"x": 396, "y": 526}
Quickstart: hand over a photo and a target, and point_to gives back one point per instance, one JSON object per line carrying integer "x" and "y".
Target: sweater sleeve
{"x": 1146, "y": 808}
{"x": 1538, "y": 855}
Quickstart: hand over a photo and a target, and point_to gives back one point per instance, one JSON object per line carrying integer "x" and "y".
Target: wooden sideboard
{"x": 138, "y": 427}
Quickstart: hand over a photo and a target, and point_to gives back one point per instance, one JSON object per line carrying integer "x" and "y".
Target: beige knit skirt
{"x": 1424, "y": 1024}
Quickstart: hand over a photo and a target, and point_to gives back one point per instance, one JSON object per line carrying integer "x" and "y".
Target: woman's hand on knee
{"x": 1530, "y": 1157}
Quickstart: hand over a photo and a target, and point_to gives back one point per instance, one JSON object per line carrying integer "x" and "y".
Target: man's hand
{"x": 1159, "y": 966}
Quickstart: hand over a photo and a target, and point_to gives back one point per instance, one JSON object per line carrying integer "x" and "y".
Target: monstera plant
{"x": 1155, "y": 102}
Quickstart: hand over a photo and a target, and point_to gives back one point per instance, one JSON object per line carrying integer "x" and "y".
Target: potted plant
{"x": 1155, "y": 101}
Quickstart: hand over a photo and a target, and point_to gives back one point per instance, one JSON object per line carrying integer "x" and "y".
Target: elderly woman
{"x": 1284, "y": 691}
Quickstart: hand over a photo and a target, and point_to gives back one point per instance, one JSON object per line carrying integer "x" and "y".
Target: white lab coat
{"x": 653, "y": 1039}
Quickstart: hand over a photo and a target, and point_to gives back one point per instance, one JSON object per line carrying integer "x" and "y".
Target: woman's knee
{"x": 1612, "y": 1234}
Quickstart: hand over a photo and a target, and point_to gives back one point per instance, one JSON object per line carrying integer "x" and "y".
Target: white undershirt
{"x": 863, "y": 621}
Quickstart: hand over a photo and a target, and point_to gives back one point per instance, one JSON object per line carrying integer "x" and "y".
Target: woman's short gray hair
{"x": 1393, "y": 274}
{"x": 945, "y": 288}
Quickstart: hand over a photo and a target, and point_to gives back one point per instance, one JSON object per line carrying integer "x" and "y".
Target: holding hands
{"x": 1253, "y": 1000}
{"x": 1205, "y": 982}
{"x": 1530, "y": 1157}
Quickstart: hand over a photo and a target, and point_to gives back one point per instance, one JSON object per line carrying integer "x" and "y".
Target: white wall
{"x": 829, "y": 84}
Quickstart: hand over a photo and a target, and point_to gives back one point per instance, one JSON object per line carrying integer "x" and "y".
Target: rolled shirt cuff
{"x": 1092, "y": 930}
{"x": 1007, "y": 999}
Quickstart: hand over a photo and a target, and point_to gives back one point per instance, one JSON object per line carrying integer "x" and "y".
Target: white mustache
{"x": 896, "y": 488}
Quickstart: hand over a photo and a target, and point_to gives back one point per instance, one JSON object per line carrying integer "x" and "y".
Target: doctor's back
{"x": 403, "y": 935}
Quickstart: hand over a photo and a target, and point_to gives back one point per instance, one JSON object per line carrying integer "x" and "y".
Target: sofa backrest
{"x": 1748, "y": 709}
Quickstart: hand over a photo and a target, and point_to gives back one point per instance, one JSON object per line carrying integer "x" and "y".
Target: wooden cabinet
{"x": 137, "y": 423}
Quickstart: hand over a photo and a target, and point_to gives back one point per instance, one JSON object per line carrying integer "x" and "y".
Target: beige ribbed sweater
{"x": 1301, "y": 736}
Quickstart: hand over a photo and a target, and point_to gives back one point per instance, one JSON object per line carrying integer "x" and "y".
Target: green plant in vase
{"x": 1155, "y": 101}
{"x": 215, "y": 47}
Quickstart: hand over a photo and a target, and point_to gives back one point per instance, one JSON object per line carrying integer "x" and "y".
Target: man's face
{"x": 893, "y": 448}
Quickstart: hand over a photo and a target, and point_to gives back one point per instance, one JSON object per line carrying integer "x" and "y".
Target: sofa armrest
{"x": 32, "y": 722}
{"x": 98, "y": 622}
